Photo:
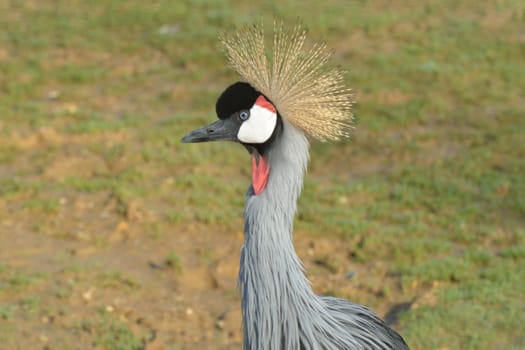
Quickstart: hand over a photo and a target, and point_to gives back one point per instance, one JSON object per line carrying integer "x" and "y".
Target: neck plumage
{"x": 276, "y": 295}
{"x": 271, "y": 273}
{"x": 279, "y": 309}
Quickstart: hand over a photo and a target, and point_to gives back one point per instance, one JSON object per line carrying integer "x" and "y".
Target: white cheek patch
{"x": 259, "y": 127}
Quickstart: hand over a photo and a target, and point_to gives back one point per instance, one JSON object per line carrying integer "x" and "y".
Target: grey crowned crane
{"x": 287, "y": 93}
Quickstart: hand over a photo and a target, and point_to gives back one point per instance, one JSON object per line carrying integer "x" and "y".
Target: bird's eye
{"x": 244, "y": 115}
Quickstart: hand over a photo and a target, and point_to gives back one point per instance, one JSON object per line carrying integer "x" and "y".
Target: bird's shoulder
{"x": 365, "y": 324}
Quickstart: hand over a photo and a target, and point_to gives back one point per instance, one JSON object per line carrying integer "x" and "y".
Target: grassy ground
{"x": 113, "y": 235}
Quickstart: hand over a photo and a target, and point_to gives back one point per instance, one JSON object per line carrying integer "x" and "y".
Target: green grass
{"x": 111, "y": 333}
{"x": 20, "y": 278}
{"x": 431, "y": 184}
{"x": 118, "y": 337}
{"x": 173, "y": 261}
{"x": 6, "y": 311}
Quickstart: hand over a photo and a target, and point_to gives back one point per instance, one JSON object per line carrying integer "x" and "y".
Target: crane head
{"x": 248, "y": 117}
{"x": 288, "y": 81}
{"x": 245, "y": 116}
{"x": 295, "y": 77}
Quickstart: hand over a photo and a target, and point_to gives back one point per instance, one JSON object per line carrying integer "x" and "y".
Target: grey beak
{"x": 221, "y": 130}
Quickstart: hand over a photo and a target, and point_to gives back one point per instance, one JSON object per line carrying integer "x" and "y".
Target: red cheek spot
{"x": 264, "y": 103}
{"x": 260, "y": 173}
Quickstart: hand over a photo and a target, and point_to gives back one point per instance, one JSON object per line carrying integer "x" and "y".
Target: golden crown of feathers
{"x": 306, "y": 92}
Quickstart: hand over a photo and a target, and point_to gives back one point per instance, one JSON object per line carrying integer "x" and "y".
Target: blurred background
{"x": 113, "y": 235}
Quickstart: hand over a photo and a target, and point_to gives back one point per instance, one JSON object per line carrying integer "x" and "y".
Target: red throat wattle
{"x": 260, "y": 173}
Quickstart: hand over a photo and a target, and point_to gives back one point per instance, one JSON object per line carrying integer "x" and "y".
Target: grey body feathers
{"x": 280, "y": 310}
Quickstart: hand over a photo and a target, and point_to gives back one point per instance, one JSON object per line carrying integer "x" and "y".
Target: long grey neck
{"x": 271, "y": 273}
{"x": 279, "y": 309}
{"x": 277, "y": 297}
